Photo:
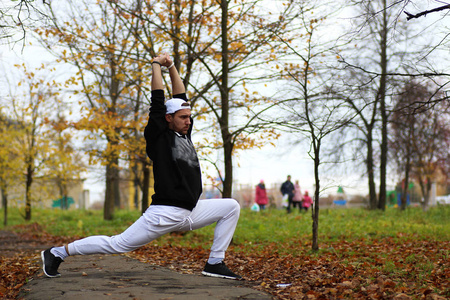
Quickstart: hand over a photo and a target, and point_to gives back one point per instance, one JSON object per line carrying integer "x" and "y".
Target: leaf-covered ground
{"x": 18, "y": 252}
{"x": 405, "y": 267}
{"x": 380, "y": 269}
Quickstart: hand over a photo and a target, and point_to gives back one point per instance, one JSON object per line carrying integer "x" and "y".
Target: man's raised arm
{"x": 157, "y": 63}
{"x": 177, "y": 84}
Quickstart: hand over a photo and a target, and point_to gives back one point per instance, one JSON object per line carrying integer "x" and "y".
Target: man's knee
{"x": 235, "y": 208}
{"x": 234, "y": 204}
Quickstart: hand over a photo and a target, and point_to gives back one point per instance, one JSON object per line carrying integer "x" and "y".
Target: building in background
{"x": 45, "y": 194}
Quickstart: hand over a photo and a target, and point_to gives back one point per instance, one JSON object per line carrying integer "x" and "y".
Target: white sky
{"x": 272, "y": 164}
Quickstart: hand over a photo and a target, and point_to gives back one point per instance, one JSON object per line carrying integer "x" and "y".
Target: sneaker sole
{"x": 219, "y": 276}
{"x": 43, "y": 267}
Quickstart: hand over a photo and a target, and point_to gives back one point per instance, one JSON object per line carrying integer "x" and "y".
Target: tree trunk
{"x": 425, "y": 188}
{"x": 116, "y": 185}
{"x": 228, "y": 181}
{"x": 5, "y": 205}
{"x": 29, "y": 181}
{"x": 384, "y": 118}
{"x": 63, "y": 194}
{"x": 108, "y": 207}
{"x": 136, "y": 185}
{"x": 145, "y": 187}
{"x": 404, "y": 197}
{"x": 224, "y": 120}
{"x": 315, "y": 206}
{"x": 370, "y": 172}
{"x": 407, "y": 170}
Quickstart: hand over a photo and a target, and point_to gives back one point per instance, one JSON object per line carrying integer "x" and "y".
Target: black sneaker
{"x": 220, "y": 271}
{"x": 50, "y": 263}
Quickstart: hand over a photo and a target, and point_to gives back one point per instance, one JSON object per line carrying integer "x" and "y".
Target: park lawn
{"x": 362, "y": 254}
{"x": 263, "y": 227}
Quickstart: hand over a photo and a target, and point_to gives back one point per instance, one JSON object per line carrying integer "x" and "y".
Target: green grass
{"x": 409, "y": 248}
{"x": 263, "y": 228}
{"x": 74, "y": 222}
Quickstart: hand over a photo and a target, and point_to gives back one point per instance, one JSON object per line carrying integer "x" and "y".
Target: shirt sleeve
{"x": 156, "y": 122}
{"x": 181, "y": 96}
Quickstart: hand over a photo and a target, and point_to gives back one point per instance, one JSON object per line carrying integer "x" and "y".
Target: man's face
{"x": 180, "y": 121}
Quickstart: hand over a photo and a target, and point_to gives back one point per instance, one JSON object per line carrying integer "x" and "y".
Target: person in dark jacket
{"x": 287, "y": 188}
{"x": 175, "y": 205}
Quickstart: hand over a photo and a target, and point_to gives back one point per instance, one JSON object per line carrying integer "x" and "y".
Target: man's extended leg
{"x": 147, "y": 228}
{"x": 155, "y": 222}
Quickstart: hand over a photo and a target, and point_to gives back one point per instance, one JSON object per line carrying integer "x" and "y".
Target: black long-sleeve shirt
{"x": 176, "y": 167}
{"x": 287, "y": 188}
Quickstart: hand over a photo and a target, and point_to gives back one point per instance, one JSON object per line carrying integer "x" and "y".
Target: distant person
{"x": 261, "y": 195}
{"x": 307, "y": 201}
{"x": 287, "y": 190}
{"x": 175, "y": 205}
{"x": 298, "y": 196}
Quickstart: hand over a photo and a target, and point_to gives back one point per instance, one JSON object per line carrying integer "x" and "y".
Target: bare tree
{"x": 404, "y": 120}
{"x": 369, "y": 83}
{"x": 312, "y": 109}
{"x": 429, "y": 39}
{"x": 421, "y": 137}
{"x": 16, "y": 17}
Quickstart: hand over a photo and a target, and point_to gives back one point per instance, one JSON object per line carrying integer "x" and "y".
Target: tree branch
{"x": 424, "y": 13}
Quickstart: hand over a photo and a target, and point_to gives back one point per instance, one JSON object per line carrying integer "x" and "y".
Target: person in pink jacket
{"x": 298, "y": 197}
{"x": 307, "y": 201}
{"x": 261, "y": 195}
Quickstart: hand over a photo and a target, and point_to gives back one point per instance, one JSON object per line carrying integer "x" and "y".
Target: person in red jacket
{"x": 307, "y": 201}
{"x": 261, "y": 195}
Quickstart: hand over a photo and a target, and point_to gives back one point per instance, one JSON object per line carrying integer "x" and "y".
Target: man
{"x": 287, "y": 188}
{"x": 175, "y": 205}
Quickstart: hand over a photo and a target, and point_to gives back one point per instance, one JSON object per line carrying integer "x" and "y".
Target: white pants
{"x": 161, "y": 219}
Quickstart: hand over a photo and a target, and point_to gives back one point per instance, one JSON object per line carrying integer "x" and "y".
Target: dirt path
{"x": 120, "y": 277}
{"x": 117, "y": 277}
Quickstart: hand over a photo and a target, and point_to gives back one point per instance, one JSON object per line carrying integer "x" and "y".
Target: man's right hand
{"x": 162, "y": 59}
{"x": 168, "y": 61}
